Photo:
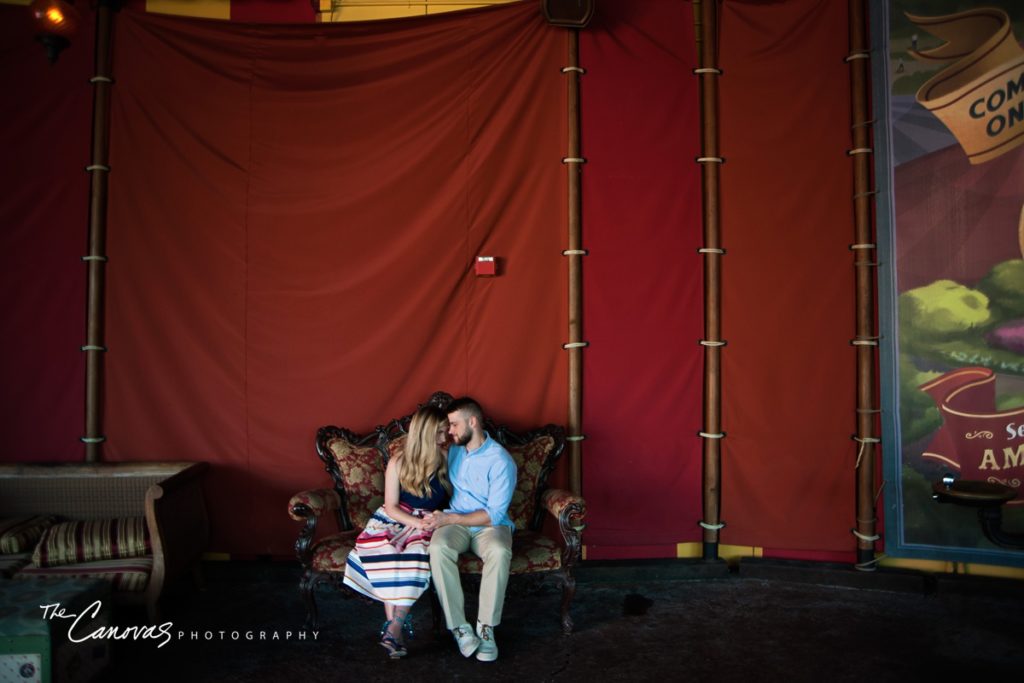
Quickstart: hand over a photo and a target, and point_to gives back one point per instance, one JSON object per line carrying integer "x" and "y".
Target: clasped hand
{"x": 434, "y": 520}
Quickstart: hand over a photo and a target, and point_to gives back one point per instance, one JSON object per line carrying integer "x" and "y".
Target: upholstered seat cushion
{"x": 330, "y": 553}
{"x": 531, "y": 552}
{"x": 129, "y": 575}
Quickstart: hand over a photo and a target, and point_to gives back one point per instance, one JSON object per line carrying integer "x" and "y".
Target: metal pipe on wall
{"x": 95, "y": 258}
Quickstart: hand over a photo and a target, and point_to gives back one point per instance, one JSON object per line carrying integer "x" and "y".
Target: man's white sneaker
{"x": 488, "y": 649}
{"x": 467, "y": 640}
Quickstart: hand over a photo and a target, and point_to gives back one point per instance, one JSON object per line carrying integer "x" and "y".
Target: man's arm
{"x": 501, "y": 486}
{"x": 441, "y": 518}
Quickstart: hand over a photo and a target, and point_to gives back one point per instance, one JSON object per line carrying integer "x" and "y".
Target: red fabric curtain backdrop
{"x": 294, "y": 213}
{"x": 294, "y": 217}
{"x": 44, "y": 214}
{"x": 788, "y": 281}
{"x": 643, "y": 280}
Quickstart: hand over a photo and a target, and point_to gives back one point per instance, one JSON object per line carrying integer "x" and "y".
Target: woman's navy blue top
{"x": 437, "y": 499}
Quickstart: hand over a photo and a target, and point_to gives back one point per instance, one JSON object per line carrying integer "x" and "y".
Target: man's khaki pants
{"x": 493, "y": 545}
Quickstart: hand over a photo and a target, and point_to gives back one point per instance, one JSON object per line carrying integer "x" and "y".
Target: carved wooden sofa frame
{"x": 356, "y": 464}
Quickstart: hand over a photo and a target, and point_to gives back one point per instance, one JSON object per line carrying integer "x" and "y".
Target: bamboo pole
{"x": 865, "y": 260}
{"x": 707, "y": 41}
{"x": 575, "y": 253}
{"x": 96, "y": 258}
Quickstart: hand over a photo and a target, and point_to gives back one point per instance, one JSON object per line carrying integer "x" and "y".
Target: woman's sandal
{"x": 407, "y": 626}
{"x": 396, "y": 650}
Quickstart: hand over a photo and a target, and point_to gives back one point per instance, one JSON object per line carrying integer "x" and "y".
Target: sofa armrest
{"x": 560, "y": 501}
{"x": 310, "y": 506}
{"x": 178, "y": 526}
{"x": 313, "y": 503}
{"x": 569, "y": 510}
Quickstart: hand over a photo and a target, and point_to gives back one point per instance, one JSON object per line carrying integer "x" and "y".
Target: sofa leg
{"x": 153, "y": 612}
{"x": 306, "y": 590}
{"x": 568, "y": 592}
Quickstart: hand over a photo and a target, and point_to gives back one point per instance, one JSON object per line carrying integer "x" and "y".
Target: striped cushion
{"x": 19, "y": 534}
{"x": 88, "y": 541}
{"x": 129, "y": 575}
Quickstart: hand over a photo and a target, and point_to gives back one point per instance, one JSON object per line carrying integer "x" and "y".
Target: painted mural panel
{"x": 952, "y": 224}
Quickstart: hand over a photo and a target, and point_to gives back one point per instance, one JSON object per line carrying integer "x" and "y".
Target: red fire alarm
{"x": 486, "y": 266}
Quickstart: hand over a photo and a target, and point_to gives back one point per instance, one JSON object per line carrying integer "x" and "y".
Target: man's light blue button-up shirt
{"x": 483, "y": 479}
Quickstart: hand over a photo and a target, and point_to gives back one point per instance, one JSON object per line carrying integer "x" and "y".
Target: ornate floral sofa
{"x": 356, "y": 464}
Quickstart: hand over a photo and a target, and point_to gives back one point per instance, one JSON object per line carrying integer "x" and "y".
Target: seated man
{"x": 483, "y": 477}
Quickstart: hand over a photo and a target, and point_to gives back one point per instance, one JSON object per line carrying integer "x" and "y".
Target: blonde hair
{"x": 423, "y": 457}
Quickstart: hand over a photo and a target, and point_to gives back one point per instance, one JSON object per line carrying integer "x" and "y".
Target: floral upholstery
{"x": 531, "y": 552}
{"x": 362, "y": 470}
{"x": 397, "y": 446}
{"x": 556, "y": 500}
{"x": 529, "y": 460}
{"x": 330, "y": 553}
{"x": 318, "y": 501}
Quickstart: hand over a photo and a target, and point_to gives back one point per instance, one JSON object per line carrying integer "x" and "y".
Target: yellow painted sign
{"x": 979, "y": 96}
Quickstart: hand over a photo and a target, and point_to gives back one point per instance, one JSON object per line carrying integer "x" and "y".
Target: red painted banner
{"x": 978, "y": 441}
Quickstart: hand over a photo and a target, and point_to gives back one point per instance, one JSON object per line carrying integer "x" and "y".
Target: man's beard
{"x": 466, "y": 437}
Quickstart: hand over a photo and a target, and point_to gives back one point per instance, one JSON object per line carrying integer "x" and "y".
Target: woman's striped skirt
{"x": 390, "y": 561}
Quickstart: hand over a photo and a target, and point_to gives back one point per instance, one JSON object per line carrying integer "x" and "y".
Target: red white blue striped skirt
{"x": 390, "y": 561}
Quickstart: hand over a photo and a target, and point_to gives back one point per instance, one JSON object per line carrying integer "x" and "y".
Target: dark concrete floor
{"x": 768, "y": 621}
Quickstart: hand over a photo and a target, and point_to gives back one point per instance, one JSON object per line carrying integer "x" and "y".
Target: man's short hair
{"x": 468, "y": 406}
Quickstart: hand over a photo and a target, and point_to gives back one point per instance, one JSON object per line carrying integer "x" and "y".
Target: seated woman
{"x": 390, "y": 561}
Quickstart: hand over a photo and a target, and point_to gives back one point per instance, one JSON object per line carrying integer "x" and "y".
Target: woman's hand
{"x": 435, "y": 520}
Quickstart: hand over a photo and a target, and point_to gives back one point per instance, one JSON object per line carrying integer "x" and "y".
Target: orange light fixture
{"x": 56, "y": 22}
{"x": 54, "y": 16}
